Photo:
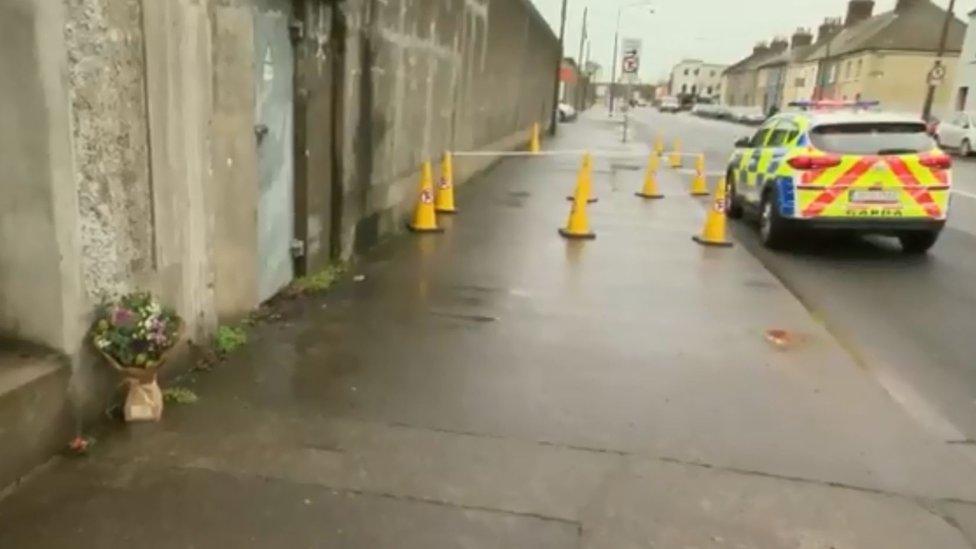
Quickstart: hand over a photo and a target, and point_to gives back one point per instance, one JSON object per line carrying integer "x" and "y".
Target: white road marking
{"x": 964, "y": 193}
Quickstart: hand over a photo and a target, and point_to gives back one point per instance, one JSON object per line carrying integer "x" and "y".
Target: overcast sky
{"x": 720, "y": 31}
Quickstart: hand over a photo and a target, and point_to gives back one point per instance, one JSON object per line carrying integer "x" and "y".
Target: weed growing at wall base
{"x": 228, "y": 339}
{"x": 320, "y": 281}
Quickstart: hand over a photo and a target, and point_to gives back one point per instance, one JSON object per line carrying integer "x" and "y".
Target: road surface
{"x": 911, "y": 321}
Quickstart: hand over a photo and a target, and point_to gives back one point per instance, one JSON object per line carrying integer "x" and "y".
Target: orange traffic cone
{"x": 424, "y": 216}
{"x": 578, "y": 225}
{"x": 699, "y": 186}
{"x": 659, "y": 144}
{"x": 444, "y": 201}
{"x": 713, "y": 233}
{"x": 534, "y": 144}
{"x": 675, "y": 159}
{"x": 650, "y": 178}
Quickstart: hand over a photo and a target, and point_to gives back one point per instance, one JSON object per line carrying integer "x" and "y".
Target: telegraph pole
{"x": 937, "y": 73}
{"x": 579, "y": 63}
{"x": 554, "y": 119}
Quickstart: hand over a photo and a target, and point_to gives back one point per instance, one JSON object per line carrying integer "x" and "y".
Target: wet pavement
{"x": 498, "y": 386}
{"x": 909, "y": 320}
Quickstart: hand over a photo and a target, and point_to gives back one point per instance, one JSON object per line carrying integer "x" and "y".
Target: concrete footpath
{"x": 497, "y": 386}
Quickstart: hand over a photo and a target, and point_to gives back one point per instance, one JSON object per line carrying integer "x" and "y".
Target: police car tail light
{"x": 805, "y": 162}
{"x": 936, "y": 161}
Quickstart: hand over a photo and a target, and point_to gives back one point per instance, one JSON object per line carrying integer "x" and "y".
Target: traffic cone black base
{"x": 448, "y": 212}
{"x": 710, "y": 244}
{"x": 706, "y": 193}
{"x": 425, "y": 230}
{"x": 588, "y": 201}
{"x": 574, "y": 236}
{"x": 649, "y": 196}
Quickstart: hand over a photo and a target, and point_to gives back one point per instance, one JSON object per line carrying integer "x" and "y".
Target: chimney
{"x": 905, "y": 5}
{"x": 859, "y": 10}
{"x": 828, "y": 29}
{"x": 802, "y": 37}
{"x": 760, "y": 48}
{"x": 779, "y": 44}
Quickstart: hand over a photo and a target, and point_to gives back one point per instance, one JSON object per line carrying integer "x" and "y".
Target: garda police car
{"x": 834, "y": 165}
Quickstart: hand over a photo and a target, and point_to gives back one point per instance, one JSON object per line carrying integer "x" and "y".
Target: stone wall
{"x": 424, "y": 77}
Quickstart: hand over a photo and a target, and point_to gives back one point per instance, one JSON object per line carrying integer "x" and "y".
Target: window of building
{"x": 961, "y": 98}
{"x": 847, "y": 73}
{"x": 686, "y": 72}
{"x": 684, "y": 88}
{"x": 709, "y": 90}
{"x": 694, "y": 90}
{"x": 800, "y": 82}
{"x": 712, "y": 74}
{"x": 857, "y": 73}
{"x": 696, "y": 72}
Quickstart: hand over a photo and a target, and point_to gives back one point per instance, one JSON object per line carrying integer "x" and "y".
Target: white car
{"x": 958, "y": 132}
{"x": 567, "y": 113}
{"x": 669, "y": 104}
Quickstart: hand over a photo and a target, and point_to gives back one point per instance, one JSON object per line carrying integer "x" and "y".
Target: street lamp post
{"x": 616, "y": 42}
{"x": 932, "y": 80}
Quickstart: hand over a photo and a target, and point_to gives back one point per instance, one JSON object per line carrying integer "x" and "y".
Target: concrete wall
{"x": 423, "y": 77}
{"x": 39, "y": 278}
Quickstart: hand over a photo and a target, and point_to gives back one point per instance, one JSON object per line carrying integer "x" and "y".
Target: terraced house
{"x": 887, "y": 56}
{"x": 883, "y": 57}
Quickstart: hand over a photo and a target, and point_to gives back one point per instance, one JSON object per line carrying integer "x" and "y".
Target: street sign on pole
{"x": 630, "y": 57}
{"x": 937, "y": 74}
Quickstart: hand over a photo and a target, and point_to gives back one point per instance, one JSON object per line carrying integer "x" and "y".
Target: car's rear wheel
{"x": 918, "y": 242}
{"x": 773, "y": 230}
{"x": 733, "y": 204}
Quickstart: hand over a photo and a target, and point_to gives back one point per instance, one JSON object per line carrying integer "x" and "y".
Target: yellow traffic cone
{"x": 534, "y": 144}
{"x": 578, "y": 225}
{"x": 659, "y": 144}
{"x": 585, "y": 179}
{"x": 424, "y": 216}
{"x": 675, "y": 159}
{"x": 444, "y": 201}
{"x": 713, "y": 234}
{"x": 699, "y": 185}
{"x": 650, "y": 178}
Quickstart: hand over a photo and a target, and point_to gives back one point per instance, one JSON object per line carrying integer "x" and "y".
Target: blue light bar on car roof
{"x": 825, "y": 104}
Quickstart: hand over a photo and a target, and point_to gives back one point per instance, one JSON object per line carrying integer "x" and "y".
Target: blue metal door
{"x": 274, "y": 67}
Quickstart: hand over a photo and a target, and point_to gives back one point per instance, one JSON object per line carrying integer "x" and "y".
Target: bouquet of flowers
{"x": 135, "y": 331}
{"x": 134, "y": 334}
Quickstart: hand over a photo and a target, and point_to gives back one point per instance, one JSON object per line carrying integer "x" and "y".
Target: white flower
{"x": 102, "y": 343}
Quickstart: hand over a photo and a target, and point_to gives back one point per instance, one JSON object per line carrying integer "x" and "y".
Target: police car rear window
{"x": 872, "y": 138}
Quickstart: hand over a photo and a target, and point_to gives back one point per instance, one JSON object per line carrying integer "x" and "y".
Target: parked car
{"x": 752, "y": 116}
{"x": 958, "y": 133}
{"x": 669, "y": 104}
{"x": 710, "y": 110}
{"x": 567, "y": 113}
{"x": 841, "y": 169}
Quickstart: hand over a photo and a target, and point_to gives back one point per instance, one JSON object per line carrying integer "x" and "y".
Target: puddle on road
{"x": 464, "y": 316}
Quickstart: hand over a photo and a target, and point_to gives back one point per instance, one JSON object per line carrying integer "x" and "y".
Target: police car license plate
{"x": 875, "y": 197}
